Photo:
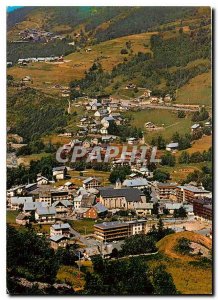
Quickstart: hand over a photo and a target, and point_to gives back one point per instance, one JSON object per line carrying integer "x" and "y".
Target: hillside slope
{"x": 175, "y": 58}
{"x": 191, "y": 275}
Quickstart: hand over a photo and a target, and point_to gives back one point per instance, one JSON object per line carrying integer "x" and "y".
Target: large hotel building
{"x": 110, "y": 231}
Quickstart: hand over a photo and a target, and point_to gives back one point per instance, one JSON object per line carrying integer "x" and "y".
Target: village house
{"x": 172, "y": 146}
{"x": 45, "y": 215}
{"x": 143, "y": 209}
{"x": 27, "y": 79}
{"x": 95, "y": 106}
{"x": 76, "y": 142}
{"x": 17, "y": 203}
{"x": 167, "y": 98}
{"x": 44, "y": 197}
{"x": 108, "y": 138}
{"x": 132, "y": 141}
{"x": 172, "y": 206}
{"x": 139, "y": 183}
{"x": 77, "y": 202}
{"x": 59, "y": 241}
{"x": 104, "y": 131}
{"x": 82, "y": 191}
{"x": 88, "y": 200}
{"x": 91, "y": 182}
{"x": 120, "y": 198}
{"x": 147, "y": 93}
{"x": 112, "y": 107}
{"x": 207, "y": 124}
{"x": 60, "y": 229}
{"x": 50, "y": 196}
{"x": 9, "y": 64}
{"x": 82, "y": 133}
{"x": 69, "y": 185}
{"x": 22, "y": 219}
{"x": 83, "y": 121}
{"x": 97, "y": 211}
{"x": 30, "y": 207}
{"x": 63, "y": 208}
{"x": 150, "y": 125}
{"x": 88, "y": 50}
{"x": 59, "y": 172}
{"x": 106, "y": 121}
{"x": 60, "y": 195}
{"x": 17, "y": 190}
{"x": 195, "y": 128}
{"x": 41, "y": 179}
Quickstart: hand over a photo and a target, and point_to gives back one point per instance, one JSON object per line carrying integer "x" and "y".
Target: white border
{"x": 3, "y": 5}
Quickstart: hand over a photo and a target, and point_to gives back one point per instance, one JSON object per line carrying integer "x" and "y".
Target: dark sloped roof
{"x": 100, "y": 208}
{"x": 21, "y": 217}
{"x": 58, "y": 238}
{"x": 88, "y": 200}
{"x": 130, "y": 194}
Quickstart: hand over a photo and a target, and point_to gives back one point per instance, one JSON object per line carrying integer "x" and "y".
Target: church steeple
{"x": 118, "y": 184}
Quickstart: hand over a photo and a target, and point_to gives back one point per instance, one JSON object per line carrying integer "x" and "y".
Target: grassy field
{"x": 84, "y": 226}
{"x": 200, "y": 145}
{"x": 179, "y": 172}
{"x": 108, "y": 54}
{"x": 197, "y": 91}
{"x": 77, "y": 179}
{"x": 70, "y": 275}
{"x": 25, "y": 160}
{"x": 55, "y": 139}
{"x": 11, "y": 216}
{"x": 11, "y": 220}
{"x": 161, "y": 118}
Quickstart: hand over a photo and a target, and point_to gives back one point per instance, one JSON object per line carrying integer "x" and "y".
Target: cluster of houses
{"x": 42, "y": 203}
{"x": 37, "y": 35}
{"x": 45, "y": 204}
{"x": 25, "y": 61}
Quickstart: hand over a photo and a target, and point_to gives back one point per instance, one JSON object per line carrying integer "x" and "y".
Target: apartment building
{"x": 203, "y": 209}
{"x": 166, "y": 191}
{"x": 110, "y": 231}
{"x": 189, "y": 193}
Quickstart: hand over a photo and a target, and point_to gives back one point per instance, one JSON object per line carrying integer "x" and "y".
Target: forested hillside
{"x": 171, "y": 65}
{"x": 31, "y": 113}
